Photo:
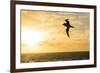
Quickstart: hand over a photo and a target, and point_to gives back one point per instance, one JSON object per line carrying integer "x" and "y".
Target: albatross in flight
{"x": 67, "y": 24}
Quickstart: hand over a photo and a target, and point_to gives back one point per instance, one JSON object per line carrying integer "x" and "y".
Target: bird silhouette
{"x": 67, "y": 24}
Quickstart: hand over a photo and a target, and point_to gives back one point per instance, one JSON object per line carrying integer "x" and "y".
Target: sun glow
{"x": 31, "y": 38}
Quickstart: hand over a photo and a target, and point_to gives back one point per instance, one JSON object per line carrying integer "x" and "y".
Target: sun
{"x": 31, "y": 38}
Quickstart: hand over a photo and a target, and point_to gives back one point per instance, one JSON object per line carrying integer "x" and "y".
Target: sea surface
{"x": 57, "y": 56}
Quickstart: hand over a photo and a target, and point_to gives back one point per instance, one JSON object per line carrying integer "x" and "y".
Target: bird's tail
{"x": 72, "y": 26}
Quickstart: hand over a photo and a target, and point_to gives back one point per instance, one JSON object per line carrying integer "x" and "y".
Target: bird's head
{"x": 66, "y": 19}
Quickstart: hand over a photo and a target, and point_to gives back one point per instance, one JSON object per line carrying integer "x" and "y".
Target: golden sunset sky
{"x": 42, "y": 31}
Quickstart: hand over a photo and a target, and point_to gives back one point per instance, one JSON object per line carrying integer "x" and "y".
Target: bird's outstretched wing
{"x": 67, "y": 31}
{"x": 65, "y": 24}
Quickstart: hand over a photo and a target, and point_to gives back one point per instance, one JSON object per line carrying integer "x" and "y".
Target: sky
{"x": 43, "y": 32}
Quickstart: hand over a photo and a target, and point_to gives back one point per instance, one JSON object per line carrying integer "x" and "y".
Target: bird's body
{"x": 67, "y": 24}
